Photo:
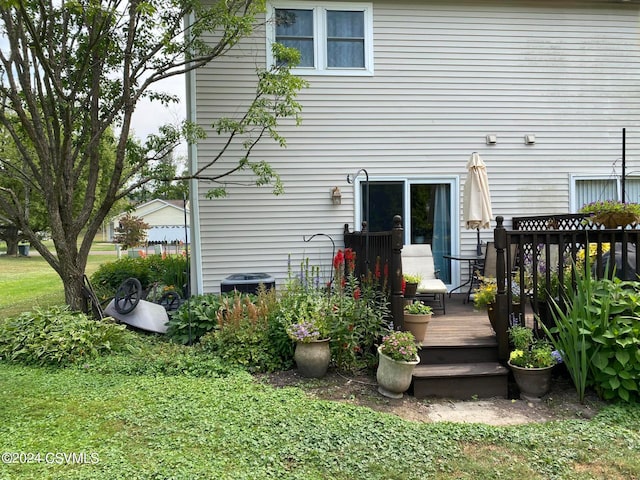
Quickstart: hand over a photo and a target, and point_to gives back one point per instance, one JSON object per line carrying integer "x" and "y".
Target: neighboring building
{"x": 166, "y": 218}
{"x": 408, "y": 90}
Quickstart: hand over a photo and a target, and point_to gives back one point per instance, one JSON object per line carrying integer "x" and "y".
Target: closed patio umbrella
{"x": 477, "y": 198}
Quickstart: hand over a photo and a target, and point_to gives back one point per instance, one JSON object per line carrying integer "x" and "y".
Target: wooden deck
{"x": 461, "y": 325}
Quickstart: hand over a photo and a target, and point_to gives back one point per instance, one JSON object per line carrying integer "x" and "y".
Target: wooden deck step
{"x": 448, "y": 354}
{"x": 460, "y": 380}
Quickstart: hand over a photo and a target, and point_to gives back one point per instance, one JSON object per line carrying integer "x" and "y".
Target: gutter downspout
{"x": 196, "y": 246}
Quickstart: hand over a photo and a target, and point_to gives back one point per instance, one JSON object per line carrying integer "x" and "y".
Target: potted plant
{"x": 416, "y": 318}
{"x": 411, "y": 282}
{"x": 312, "y": 354}
{"x": 397, "y": 357}
{"x": 485, "y": 297}
{"x": 613, "y": 213}
{"x": 485, "y": 294}
{"x": 531, "y": 362}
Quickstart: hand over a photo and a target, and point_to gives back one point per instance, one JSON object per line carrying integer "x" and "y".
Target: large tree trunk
{"x": 73, "y": 280}
{"x": 10, "y": 235}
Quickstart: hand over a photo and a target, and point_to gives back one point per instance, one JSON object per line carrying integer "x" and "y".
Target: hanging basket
{"x": 615, "y": 219}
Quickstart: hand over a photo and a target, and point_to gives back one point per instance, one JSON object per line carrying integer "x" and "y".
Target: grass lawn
{"x": 163, "y": 411}
{"x": 27, "y": 282}
{"x": 181, "y": 427}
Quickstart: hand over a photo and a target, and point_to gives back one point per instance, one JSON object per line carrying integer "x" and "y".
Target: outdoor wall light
{"x": 529, "y": 139}
{"x": 336, "y": 196}
{"x": 491, "y": 139}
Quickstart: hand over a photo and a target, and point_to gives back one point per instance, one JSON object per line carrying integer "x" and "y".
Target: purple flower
{"x": 557, "y": 356}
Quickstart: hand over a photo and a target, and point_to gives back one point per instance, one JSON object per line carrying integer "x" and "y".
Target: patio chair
{"x": 488, "y": 267}
{"x": 418, "y": 260}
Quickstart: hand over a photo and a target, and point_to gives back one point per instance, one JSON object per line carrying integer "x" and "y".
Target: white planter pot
{"x": 394, "y": 377}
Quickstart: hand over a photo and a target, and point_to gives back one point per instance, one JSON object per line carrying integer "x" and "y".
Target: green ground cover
{"x": 167, "y": 411}
{"x": 233, "y": 427}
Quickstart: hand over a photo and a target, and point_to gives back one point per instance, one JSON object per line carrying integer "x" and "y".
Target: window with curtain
{"x": 588, "y": 190}
{"x": 294, "y": 29}
{"x": 332, "y": 38}
{"x": 345, "y": 39}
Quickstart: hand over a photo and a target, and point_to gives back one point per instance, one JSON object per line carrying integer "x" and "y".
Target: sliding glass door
{"x": 427, "y": 207}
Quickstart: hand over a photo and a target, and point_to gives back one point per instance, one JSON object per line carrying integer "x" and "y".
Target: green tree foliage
{"x": 73, "y": 72}
{"x": 131, "y": 231}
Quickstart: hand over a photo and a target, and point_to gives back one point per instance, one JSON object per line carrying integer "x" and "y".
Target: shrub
{"x": 249, "y": 333}
{"x": 615, "y": 363}
{"x": 194, "y": 318}
{"x": 58, "y": 336}
{"x": 598, "y": 334}
{"x": 169, "y": 270}
{"x": 359, "y": 314}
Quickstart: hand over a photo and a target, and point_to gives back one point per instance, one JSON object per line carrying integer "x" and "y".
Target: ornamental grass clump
{"x": 400, "y": 346}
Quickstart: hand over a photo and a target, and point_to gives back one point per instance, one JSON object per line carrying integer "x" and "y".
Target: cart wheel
{"x": 170, "y": 300}
{"x": 128, "y": 295}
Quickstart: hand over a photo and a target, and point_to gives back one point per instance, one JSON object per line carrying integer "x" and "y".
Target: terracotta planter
{"x": 417, "y": 324}
{"x": 410, "y": 290}
{"x": 533, "y": 383}
{"x": 394, "y": 377}
{"x": 312, "y": 359}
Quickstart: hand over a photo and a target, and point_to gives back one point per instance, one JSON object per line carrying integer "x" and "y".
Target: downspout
{"x": 192, "y": 151}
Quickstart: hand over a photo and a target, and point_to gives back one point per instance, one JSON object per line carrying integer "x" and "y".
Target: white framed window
{"x": 333, "y": 38}
{"x": 592, "y": 188}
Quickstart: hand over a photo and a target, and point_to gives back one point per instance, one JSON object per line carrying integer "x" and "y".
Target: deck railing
{"x": 545, "y": 259}
{"x": 381, "y": 248}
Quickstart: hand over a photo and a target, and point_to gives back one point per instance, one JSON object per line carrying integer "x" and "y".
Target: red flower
{"x": 349, "y": 255}
{"x": 338, "y": 259}
{"x": 386, "y": 270}
{"x": 357, "y": 293}
{"x": 377, "y": 272}
{"x": 404, "y": 284}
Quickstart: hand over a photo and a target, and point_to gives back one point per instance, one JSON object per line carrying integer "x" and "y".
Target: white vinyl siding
{"x": 446, "y": 75}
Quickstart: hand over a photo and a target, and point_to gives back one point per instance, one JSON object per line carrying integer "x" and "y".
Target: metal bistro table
{"x": 473, "y": 262}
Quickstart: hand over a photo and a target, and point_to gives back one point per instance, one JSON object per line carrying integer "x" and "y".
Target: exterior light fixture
{"x": 529, "y": 139}
{"x": 491, "y": 139}
{"x": 336, "y": 196}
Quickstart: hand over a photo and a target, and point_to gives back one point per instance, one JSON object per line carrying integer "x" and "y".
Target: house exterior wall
{"x": 156, "y": 213}
{"x": 446, "y": 75}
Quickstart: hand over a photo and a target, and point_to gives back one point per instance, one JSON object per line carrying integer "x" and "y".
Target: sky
{"x": 149, "y": 116}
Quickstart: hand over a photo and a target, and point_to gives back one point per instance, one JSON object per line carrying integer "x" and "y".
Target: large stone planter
{"x": 312, "y": 358}
{"x": 417, "y": 324}
{"x": 533, "y": 383}
{"x": 394, "y": 377}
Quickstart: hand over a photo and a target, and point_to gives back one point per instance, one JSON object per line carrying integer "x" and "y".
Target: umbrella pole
{"x": 479, "y": 245}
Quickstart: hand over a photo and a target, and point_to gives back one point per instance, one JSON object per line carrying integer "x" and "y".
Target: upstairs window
{"x": 332, "y": 38}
